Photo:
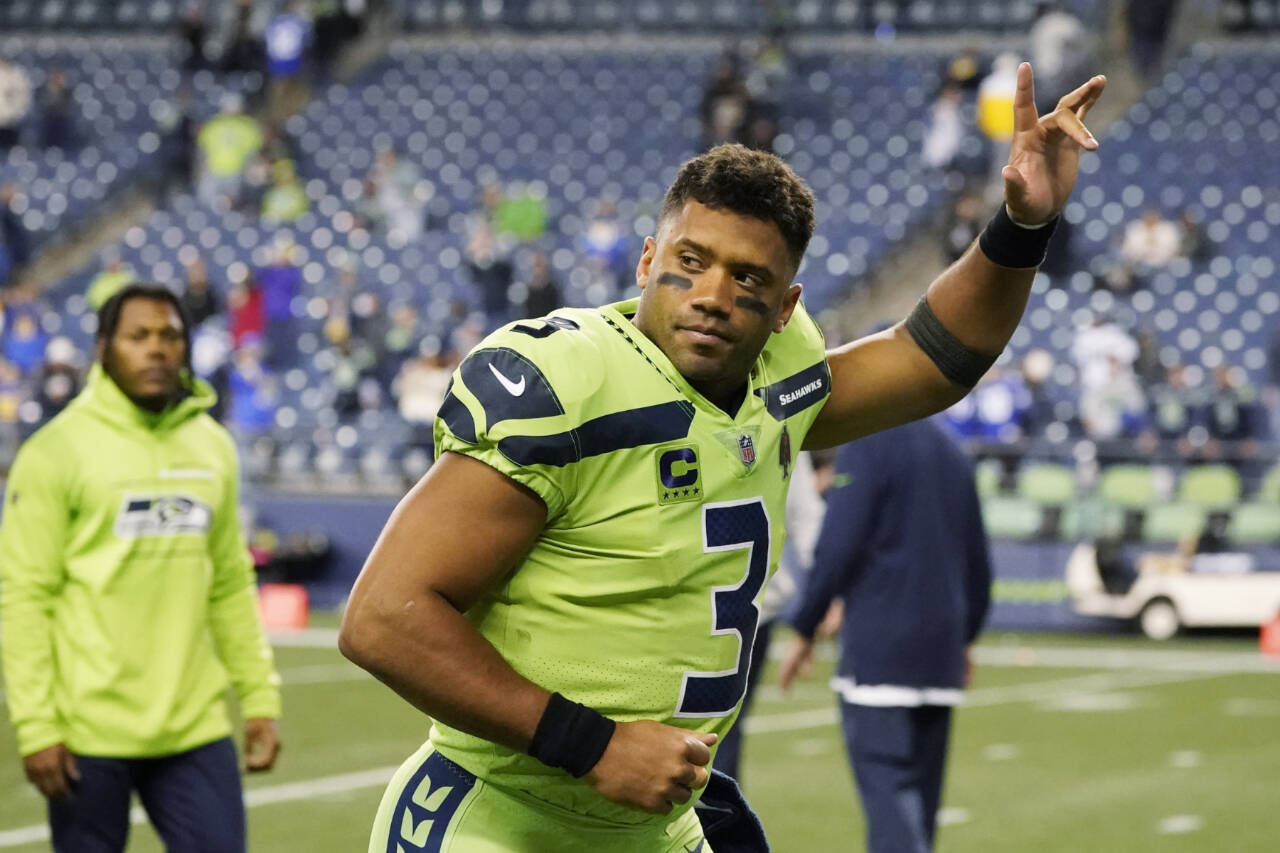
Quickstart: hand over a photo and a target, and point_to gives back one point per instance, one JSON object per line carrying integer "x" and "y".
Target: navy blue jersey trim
{"x": 427, "y": 805}
{"x": 615, "y": 431}
{"x": 457, "y": 417}
{"x": 508, "y": 386}
{"x": 797, "y": 392}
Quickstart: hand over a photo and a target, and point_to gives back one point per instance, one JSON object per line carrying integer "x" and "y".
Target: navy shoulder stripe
{"x": 457, "y": 417}
{"x": 797, "y": 392}
{"x": 508, "y": 386}
{"x": 615, "y": 431}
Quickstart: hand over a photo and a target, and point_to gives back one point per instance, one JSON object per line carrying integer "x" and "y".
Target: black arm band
{"x": 571, "y": 736}
{"x": 957, "y": 362}
{"x": 1008, "y": 244}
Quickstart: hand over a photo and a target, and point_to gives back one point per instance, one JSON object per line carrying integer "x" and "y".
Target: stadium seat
{"x": 987, "y": 474}
{"x": 1046, "y": 483}
{"x": 1011, "y": 518}
{"x": 1130, "y": 486}
{"x": 1210, "y": 486}
{"x": 1173, "y": 522}
{"x": 1254, "y": 524}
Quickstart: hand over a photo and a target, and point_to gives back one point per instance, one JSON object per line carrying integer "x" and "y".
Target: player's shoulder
{"x": 541, "y": 367}
{"x": 793, "y": 367}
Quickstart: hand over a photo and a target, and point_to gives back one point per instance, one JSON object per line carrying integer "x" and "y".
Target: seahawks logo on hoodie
{"x": 162, "y": 515}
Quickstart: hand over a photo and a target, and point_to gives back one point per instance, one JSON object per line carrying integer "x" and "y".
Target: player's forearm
{"x": 426, "y": 651}
{"x": 979, "y": 302}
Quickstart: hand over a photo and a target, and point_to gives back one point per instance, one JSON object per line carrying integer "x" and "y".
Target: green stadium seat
{"x": 1046, "y": 483}
{"x": 1131, "y": 486}
{"x": 1087, "y": 520}
{"x": 1255, "y": 524}
{"x": 986, "y": 476}
{"x": 1210, "y": 486}
{"x": 1011, "y": 518}
{"x": 1173, "y": 521}
{"x": 1270, "y": 490}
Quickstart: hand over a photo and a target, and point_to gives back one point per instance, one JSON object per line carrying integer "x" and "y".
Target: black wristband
{"x": 957, "y": 362}
{"x": 571, "y": 736}
{"x": 1008, "y": 244}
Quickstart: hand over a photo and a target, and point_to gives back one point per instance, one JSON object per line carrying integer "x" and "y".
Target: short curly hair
{"x": 751, "y": 183}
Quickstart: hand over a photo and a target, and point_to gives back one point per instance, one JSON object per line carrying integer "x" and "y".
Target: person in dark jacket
{"x": 903, "y": 546}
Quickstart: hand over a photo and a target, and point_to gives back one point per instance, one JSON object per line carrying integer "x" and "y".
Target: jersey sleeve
{"x": 514, "y": 404}
{"x": 32, "y": 572}
{"x": 797, "y": 379}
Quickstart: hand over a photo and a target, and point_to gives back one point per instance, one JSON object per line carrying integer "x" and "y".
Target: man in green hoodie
{"x": 128, "y": 600}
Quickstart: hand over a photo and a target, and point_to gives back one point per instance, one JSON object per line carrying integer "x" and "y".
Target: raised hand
{"x": 651, "y": 766}
{"x": 1045, "y": 154}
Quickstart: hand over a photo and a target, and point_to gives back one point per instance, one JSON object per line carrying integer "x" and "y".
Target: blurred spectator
{"x": 419, "y": 390}
{"x": 115, "y": 275}
{"x": 964, "y": 225}
{"x": 1111, "y": 403}
{"x": 285, "y": 200}
{"x": 1173, "y": 402}
{"x": 1194, "y": 242}
{"x": 966, "y": 70}
{"x": 604, "y": 247}
{"x": 57, "y": 121}
{"x": 1229, "y": 405}
{"x": 24, "y": 339}
{"x": 177, "y": 128}
{"x": 198, "y": 298}
{"x": 243, "y": 51}
{"x": 491, "y": 272}
{"x": 724, "y": 103}
{"x": 254, "y": 394}
{"x": 946, "y": 128}
{"x": 392, "y": 197}
{"x": 369, "y": 322}
{"x": 15, "y": 248}
{"x": 542, "y": 292}
{"x": 1037, "y": 367}
{"x": 13, "y": 393}
{"x": 352, "y": 367}
{"x": 1147, "y": 365}
{"x": 995, "y": 111}
{"x": 59, "y": 378}
{"x": 1148, "y": 22}
{"x": 246, "y": 317}
{"x": 398, "y": 342}
{"x": 281, "y": 283}
{"x": 226, "y": 142}
{"x": 337, "y": 322}
{"x": 1151, "y": 241}
{"x": 15, "y": 102}
{"x": 287, "y": 39}
{"x": 192, "y": 30}
{"x": 1061, "y": 54}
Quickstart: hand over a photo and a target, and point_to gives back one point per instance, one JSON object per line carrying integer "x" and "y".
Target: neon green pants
{"x": 434, "y": 806}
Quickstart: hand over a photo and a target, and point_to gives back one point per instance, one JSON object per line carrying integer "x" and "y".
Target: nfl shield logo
{"x": 747, "y": 450}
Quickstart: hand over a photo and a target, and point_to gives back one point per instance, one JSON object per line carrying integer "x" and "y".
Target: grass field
{"x": 1066, "y": 744}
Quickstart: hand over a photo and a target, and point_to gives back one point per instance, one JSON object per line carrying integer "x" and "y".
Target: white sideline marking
{"x": 1000, "y": 751}
{"x": 952, "y": 815}
{"x": 1241, "y": 707}
{"x": 1184, "y": 759}
{"x": 1179, "y": 824}
{"x": 268, "y": 795}
{"x": 306, "y": 638}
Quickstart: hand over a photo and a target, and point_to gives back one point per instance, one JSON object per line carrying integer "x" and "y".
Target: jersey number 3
{"x": 732, "y": 526}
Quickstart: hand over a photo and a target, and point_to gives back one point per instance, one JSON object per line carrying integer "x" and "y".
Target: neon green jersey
{"x": 664, "y": 520}
{"x": 127, "y": 599}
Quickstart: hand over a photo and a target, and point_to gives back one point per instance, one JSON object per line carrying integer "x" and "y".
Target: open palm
{"x": 1045, "y": 154}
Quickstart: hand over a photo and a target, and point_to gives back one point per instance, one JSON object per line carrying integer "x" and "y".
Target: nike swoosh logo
{"x": 515, "y": 389}
{"x": 696, "y": 849}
